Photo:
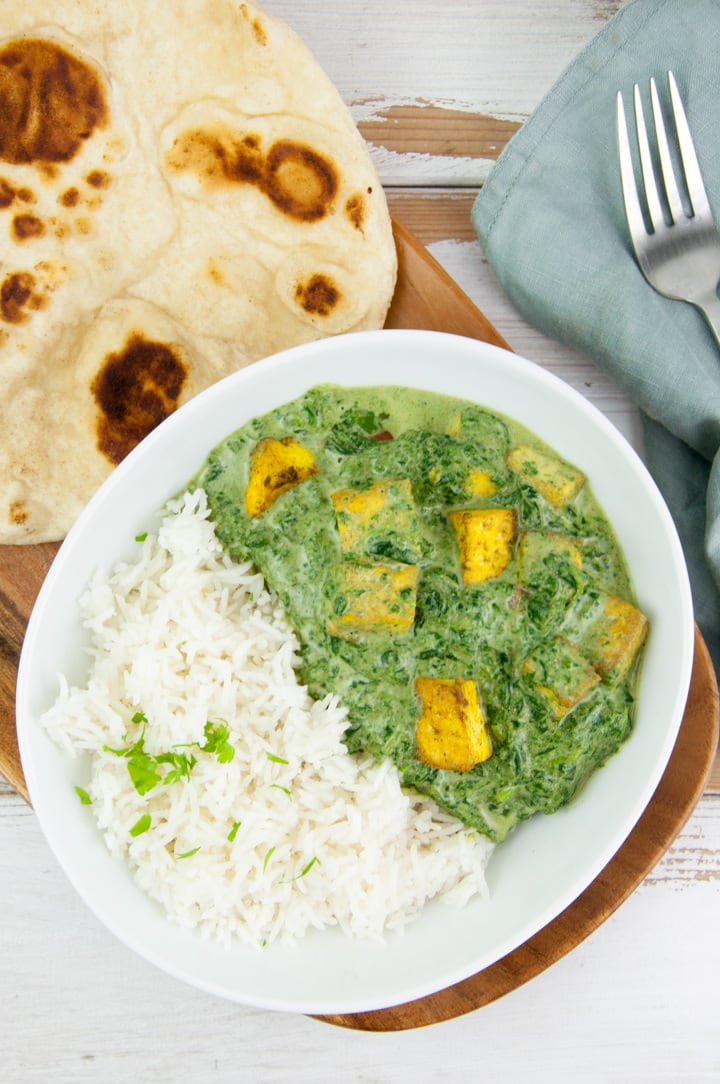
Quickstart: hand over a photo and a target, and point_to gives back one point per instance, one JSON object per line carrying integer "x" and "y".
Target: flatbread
{"x": 182, "y": 192}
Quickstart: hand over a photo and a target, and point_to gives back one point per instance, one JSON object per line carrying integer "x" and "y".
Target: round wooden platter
{"x": 426, "y": 297}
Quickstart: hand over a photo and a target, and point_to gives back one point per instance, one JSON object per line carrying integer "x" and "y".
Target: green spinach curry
{"x": 451, "y": 579}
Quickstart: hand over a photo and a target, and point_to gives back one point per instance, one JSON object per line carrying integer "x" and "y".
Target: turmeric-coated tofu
{"x": 561, "y": 674}
{"x": 615, "y": 637}
{"x": 452, "y": 732}
{"x": 558, "y": 481}
{"x": 378, "y": 522}
{"x": 275, "y": 466}
{"x": 373, "y": 598}
{"x": 480, "y": 483}
{"x": 485, "y": 539}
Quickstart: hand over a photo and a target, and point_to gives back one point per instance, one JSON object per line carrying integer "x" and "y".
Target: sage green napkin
{"x": 551, "y": 222}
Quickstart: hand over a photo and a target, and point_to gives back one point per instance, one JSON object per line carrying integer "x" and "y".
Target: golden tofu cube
{"x": 480, "y": 483}
{"x": 275, "y": 466}
{"x": 615, "y": 637}
{"x": 558, "y": 481}
{"x": 561, "y": 674}
{"x": 378, "y": 522}
{"x": 451, "y": 733}
{"x": 373, "y": 598}
{"x": 485, "y": 539}
{"x": 535, "y": 546}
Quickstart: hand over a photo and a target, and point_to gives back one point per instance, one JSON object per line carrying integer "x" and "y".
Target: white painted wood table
{"x": 437, "y": 89}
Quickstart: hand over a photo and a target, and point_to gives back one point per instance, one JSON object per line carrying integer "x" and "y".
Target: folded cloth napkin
{"x": 551, "y": 222}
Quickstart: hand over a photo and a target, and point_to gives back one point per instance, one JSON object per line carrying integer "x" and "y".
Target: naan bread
{"x": 182, "y": 192}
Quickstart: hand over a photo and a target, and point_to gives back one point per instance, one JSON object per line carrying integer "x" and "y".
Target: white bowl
{"x": 547, "y": 862}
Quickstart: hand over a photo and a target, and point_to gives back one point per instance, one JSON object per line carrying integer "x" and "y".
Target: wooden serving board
{"x": 426, "y": 297}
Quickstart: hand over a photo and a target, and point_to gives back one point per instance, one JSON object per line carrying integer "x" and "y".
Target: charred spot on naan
{"x": 98, "y": 178}
{"x": 27, "y": 226}
{"x": 134, "y": 390}
{"x": 317, "y": 295}
{"x": 27, "y": 290}
{"x": 19, "y": 295}
{"x": 258, "y": 29}
{"x": 51, "y": 102}
{"x": 356, "y": 209}
{"x": 319, "y": 292}
{"x": 300, "y": 181}
{"x": 70, "y": 197}
{"x": 18, "y": 513}
{"x": 10, "y": 194}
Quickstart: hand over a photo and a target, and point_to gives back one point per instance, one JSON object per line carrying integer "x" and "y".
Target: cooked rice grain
{"x": 186, "y": 636}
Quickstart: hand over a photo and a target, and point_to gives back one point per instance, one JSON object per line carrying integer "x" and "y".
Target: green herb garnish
{"x": 141, "y": 537}
{"x": 308, "y": 867}
{"x": 274, "y": 759}
{"x": 181, "y": 766}
{"x": 267, "y": 858}
{"x": 142, "y": 825}
{"x": 233, "y": 831}
{"x": 144, "y": 767}
{"x": 83, "y": 796}
{"x": 187, "y": 854}
{"x": 216, "y": 741}
{"x": 141, "y": 765}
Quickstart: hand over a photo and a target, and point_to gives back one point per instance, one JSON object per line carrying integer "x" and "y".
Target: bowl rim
{"x": 288, "y": 364}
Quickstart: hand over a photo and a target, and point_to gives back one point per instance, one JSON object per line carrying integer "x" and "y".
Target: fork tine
{"x": 648, "y": 172}
{"x": 693, "y": 176}
{"x": 633, "y": 211}
{"x": 672, "y": 192}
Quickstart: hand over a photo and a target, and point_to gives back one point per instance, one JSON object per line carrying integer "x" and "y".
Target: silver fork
{"x": 679, "y": 254}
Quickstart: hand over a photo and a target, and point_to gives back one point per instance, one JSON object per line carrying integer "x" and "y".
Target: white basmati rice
{"x": 290, "y": 834}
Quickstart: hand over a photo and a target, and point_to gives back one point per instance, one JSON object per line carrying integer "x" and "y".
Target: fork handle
{"x": 710, "y": 308}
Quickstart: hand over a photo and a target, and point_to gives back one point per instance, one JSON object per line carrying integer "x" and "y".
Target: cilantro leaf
{"x": 181, "y": 764}
{"x": 142, "y": 767}
{"x": 187, "y": 854}
{"x": 141, "y": 826}
{"x": 83, "y": 796}
{"x": 308, "y": 867}
{"x": 216, "y": 741}
{"x": 143, "y": 772}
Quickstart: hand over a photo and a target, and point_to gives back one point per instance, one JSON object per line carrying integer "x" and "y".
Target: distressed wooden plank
{"x": 424, "y": 128}
{"x": 441, "y": 215}
{"x": 438, "y": 89}
{"x": 694, "y": 857}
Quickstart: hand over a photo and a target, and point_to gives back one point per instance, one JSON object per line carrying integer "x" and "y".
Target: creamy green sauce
{"x": 484, "y": 632}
